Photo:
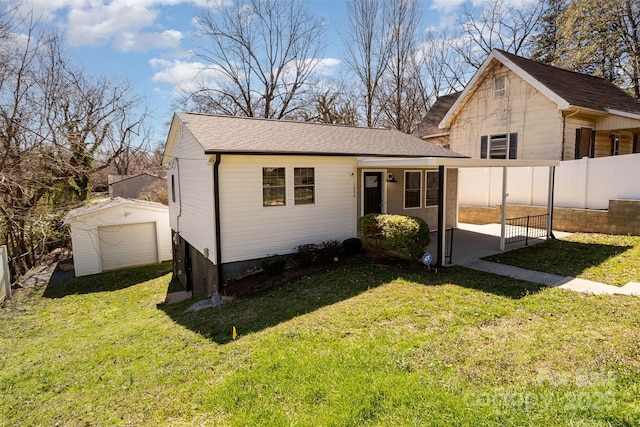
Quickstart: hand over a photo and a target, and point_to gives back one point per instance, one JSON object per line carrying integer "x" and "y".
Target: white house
{"x": 118, "y": 233}
{"x": 241, "y": 189}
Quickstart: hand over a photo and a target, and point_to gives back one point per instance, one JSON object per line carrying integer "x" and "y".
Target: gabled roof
{"x": 243, "y": 135}
{"x": 567, "y": 89}
{"x": 429, "y": 124}
{"x": 110, "y": 203}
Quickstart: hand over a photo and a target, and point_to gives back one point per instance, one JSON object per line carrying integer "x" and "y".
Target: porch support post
{"x": 503, "y": 220}
{"x": 442, "y": 200}
{"x": 552, "y": 179}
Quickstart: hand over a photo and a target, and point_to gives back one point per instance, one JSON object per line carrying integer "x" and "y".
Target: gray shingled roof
{"x": 227, "y": 134}
{"x": 429, "y": 124}
{"x": 578, "y": 89}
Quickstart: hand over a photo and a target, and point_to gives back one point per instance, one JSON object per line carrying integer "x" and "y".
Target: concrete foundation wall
{"x": 622, "y": 217}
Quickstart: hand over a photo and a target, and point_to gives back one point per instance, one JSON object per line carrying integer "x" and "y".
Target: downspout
{"x": 216, "y": 207}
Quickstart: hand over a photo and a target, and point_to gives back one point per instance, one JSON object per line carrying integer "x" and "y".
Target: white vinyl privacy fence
{"x": 584, "y": 184}
{"x": 5, "y": 284}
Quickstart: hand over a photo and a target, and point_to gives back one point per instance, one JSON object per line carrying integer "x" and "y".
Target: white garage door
{"x": 128, "y": 245}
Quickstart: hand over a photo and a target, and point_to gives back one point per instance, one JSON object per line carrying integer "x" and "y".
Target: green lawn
{"x": 355, "y": 346}
{"x": 610, "y": 259}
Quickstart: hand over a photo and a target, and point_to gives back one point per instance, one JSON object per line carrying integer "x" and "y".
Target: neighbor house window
{"x": 636, "y": 148}
{"x": 273, "y": 187}
{"x": 412, "y": 189}
{"x": 498, "y": 87}
{"x": 304, "y": 186}
{"x": 615, "y": 144}
{"x": 432, "y": 188}
{"x": 500, "y": 146}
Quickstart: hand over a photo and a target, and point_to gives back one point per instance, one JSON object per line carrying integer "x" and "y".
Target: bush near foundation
{"x": 398, "y": 235}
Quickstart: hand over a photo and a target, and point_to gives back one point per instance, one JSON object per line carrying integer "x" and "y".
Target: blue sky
{"x": 147, "y": 41}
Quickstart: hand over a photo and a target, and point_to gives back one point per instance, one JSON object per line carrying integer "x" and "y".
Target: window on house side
{"x": 412, "y": 187}
{"x": 499, "y": 87}
{"x": 273, "y": 187}
{"x": 500, "y": 146}
{"x": 304, "y": 186}
{"x": 432, "y": 188}
{"x": 636, "y": 148}
{"x": 615, "y": 144}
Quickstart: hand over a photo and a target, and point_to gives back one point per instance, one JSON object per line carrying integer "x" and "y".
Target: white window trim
{"x": 404, "y": 191}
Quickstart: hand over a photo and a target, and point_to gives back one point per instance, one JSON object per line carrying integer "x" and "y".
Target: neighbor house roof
{"x": 243, "y": 135}
{"x": 117, "y": 179}
{"x": 110, "y": 203}
{"x": 429, "y": 124}
{"x": 567, "y": 89}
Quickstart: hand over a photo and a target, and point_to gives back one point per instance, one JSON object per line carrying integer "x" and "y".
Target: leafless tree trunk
{"x": 263, "y": 54}
{"x": 402, "y": 97}
{"x": 368, "y": 50}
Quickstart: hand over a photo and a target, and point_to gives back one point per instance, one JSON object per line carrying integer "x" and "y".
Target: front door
{"x": 372, "y": 192}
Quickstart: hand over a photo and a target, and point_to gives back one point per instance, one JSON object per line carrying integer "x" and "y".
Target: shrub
{"x": 323, "y": 253}
{"x": 352, "y": 245}
{"x": 404, "y": 236}
{"x": 274, "y": 265}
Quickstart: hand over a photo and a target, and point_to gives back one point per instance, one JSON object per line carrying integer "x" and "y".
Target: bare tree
{"x": 368, "y": 51}
{"x": 499, "y": 24}
{"x": 263, "y": 53}
{"x": 55, "y": 127}
{"x": 402, "y": 95}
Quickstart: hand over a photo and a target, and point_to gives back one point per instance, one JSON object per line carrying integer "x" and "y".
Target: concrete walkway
{"x": 472, "y": 242}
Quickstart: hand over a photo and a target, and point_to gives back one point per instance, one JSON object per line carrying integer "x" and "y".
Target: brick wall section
{"x": 622, "y": 217}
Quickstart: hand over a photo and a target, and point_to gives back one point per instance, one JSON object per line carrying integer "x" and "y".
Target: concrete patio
{"x": 473, "y": 242}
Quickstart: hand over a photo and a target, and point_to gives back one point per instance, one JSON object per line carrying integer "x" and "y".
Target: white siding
{"x": 523, "y": 110}
{"x": 584, "y": 183}
{"x": 251, "y": 231}
{"x": 192, "y": 213}
{"x": 85, "y": 237}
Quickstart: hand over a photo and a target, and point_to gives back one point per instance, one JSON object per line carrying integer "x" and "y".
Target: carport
{"x": 443, "y": 164}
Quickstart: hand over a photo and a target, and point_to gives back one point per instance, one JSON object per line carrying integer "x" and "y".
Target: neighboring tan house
{"x": 516, "y": 108}
{"x": 241, "y": 189}
{"x": 130, "y": 186}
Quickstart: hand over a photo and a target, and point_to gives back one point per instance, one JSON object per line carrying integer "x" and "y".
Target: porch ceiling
{"x": 422, "y": 162}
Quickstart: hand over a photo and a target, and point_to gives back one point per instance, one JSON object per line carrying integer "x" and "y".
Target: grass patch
{"x": 602, "y": 258}
{"x": 356, "y": 346}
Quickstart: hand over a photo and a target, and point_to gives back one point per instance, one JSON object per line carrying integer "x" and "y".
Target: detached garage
{"x": 119, "y": 233}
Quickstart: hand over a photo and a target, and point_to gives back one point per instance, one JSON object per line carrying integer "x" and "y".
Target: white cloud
{"x": 327, "y": 66}
{"x": 184, "y": 76}
{"x": 447, "y": 6}
{"x": 127, "y": 25}
{"x": 141, "y": 42}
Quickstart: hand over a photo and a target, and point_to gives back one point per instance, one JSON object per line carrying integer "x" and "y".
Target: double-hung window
{"x": 412, "y": 189}
{"x": 499, "y": 146}
{"x": 304, "y": 186}
{"x": 273, "y": 187}
{"x": 433, "y": 186}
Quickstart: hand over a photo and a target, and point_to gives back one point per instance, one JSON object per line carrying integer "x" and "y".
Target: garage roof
{"x": 110, "y": 203}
